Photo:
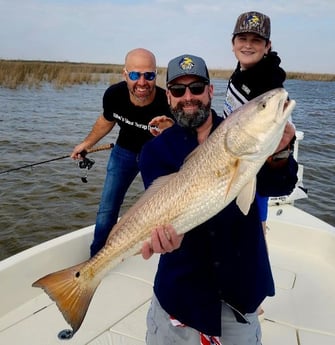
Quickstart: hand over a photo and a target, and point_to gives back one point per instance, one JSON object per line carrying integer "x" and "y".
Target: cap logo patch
{"x": 186, "y": 64}
{"x": 252, "y": 21}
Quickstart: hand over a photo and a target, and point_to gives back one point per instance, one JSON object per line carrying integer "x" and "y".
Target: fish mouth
{"x": 288, "y": 107}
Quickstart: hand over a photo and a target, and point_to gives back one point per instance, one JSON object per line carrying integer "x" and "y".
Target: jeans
{"x": 122, "y": 169}
{"x": 263, "y": 206}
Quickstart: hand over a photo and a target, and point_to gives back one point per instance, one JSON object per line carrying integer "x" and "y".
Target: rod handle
{"x": 98, "y": 148}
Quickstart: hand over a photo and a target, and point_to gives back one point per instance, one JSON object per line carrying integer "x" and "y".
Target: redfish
{"x": 223, "y": 168}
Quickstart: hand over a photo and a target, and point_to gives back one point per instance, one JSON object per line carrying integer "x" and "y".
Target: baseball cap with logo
{"x": 253, "y": 22}
{"x": 186, "y": 65}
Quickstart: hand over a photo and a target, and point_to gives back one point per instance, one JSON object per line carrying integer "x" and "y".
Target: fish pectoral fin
{"x": 71, "y": 293}
{"x": 246, "y": 196}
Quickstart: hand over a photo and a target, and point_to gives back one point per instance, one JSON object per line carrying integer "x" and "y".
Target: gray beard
{"x": 194, "y": 120}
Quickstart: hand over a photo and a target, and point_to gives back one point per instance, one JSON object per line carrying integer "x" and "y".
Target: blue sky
{"x": 103, "y": 31}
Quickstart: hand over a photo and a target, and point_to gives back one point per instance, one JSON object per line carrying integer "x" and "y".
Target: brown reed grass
{"x": 19, "y": 73}
{"x": 225, "y": 74}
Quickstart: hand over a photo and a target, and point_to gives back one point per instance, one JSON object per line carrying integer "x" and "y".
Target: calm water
{"x": 40, "y": 203}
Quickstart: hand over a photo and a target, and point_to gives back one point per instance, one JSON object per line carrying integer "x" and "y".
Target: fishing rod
{"x": 86, "y": 163}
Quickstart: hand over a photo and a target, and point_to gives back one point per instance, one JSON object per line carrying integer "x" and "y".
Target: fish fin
{"x": 157, "y": 184}
{"x": 153, "y": 188}
{"x": 191, "y": 154}
{"x": 71, "y": 293}
{"x": 246, "y": 196}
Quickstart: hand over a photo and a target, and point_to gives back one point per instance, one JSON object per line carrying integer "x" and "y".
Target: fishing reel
{"x": 86, "y": 164}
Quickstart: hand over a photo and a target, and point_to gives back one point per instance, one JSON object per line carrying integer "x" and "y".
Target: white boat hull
{"x": 302, "y": 253}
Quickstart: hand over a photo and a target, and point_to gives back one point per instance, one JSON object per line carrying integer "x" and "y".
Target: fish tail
{"x": 71, "y": 292}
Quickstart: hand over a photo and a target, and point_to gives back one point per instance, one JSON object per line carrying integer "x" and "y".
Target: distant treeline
{"x": 17, "y": 73}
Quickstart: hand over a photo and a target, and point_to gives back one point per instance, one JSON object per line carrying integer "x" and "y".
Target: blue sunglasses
{"x": 137, "y": 75}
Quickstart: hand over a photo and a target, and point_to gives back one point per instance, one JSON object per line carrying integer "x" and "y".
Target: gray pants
{"x": 160, "y": 331}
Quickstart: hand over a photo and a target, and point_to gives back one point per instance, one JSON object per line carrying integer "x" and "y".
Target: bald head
{"x": 140, "y": 59}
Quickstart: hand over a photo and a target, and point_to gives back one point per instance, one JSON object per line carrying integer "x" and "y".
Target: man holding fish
{"x": 202, "y": 173}
{"x": 210, "y": 280}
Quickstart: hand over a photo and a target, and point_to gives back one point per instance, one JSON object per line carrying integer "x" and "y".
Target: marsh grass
{"x": 14, "y": 74}
{"x": 19, "y": 73}
{"x": 225, "y": 74}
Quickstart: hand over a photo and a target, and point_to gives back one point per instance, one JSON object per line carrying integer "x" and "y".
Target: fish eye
{"x": 262, "y": 105}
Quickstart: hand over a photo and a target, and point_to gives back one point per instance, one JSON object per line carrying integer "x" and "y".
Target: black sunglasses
{"x": 133, "y": 75}
{"x": 196, "y": 88}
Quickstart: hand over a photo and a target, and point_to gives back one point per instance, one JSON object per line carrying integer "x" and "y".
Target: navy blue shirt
{"x": 224, "y": 258}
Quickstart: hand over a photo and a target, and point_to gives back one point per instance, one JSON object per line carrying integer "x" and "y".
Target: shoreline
{"x": 33, "y": 73}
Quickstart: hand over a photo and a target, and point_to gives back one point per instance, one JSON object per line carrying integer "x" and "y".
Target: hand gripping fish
{"x": 221, "y": 169}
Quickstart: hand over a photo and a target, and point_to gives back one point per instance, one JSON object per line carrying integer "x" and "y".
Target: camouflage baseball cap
{"x": 253, "y": 22}
{"x": 186, "y": 65}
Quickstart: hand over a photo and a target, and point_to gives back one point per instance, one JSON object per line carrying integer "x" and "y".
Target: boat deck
{"x": 301, "y": 313}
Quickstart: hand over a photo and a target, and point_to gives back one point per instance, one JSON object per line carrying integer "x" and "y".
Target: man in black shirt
{"x": 132, "y": 104}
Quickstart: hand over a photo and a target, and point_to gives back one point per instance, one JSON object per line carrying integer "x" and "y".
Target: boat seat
{"x": 296, "y": 309}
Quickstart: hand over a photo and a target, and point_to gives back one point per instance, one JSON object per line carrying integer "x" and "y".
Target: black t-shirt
{"x": 132, "y": 120}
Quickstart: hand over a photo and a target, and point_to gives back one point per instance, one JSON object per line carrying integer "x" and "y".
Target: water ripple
{"x": 48, "y": 200}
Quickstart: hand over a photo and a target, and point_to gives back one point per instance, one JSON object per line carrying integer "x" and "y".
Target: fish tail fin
{"x": 71, "y": 292}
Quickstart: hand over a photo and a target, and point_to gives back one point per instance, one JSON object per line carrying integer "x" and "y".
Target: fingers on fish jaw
{"x": 167, "y": 234}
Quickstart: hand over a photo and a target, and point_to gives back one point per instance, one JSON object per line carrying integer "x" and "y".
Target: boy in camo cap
{"x": 258, "y": 70}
